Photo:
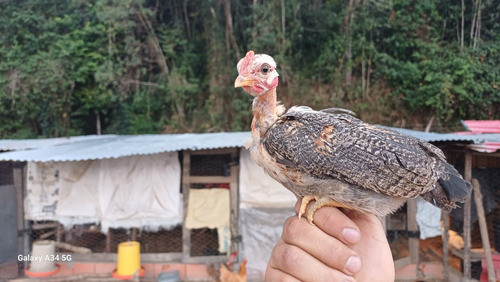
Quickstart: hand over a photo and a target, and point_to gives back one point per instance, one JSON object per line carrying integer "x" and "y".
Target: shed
{"x": 177, "y": 194}
{"x": 181, "y": 177}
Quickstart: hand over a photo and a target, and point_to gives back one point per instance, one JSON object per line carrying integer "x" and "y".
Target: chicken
{"x": 227, "y": 275}
{"x": 330, "y": 158}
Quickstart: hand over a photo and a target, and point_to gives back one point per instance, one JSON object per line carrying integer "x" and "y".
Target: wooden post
{"x": 467, "y": 243}
{"x": 411, "y": 210}
{"x": 58, "y": 232}
{"x": 234, "y": 202}
{"x": 18, "y": 186}
{"x": 478, "y": 199}
{"x": 186, "y": 181}
{"x": 446, "y": 238}
{"x": 133, "y": 234}
{"x": 108, "y": 241}
{"x": 23, "y": 240}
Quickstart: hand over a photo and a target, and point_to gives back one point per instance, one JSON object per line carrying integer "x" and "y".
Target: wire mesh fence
{"x": 6, "y": 176}
{"x": 89, "y": 238}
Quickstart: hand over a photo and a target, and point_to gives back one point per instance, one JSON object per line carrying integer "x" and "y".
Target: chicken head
{"x": 256, "y": 74}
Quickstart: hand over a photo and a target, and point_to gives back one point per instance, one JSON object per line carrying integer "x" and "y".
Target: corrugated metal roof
{"x": 448, "y": 137}
{"x": 486, "y": 147}
{"x": 482, "y": 126}
{"x": 25, "y": 144}
{"x": 116, "y": 146}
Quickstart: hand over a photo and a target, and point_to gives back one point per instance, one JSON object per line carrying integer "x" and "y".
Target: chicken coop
{"x": 194, "y": 201}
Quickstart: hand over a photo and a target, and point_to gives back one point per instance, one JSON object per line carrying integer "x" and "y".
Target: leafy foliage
{"x": 148, "y": 66}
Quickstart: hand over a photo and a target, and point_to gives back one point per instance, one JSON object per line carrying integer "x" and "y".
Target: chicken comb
{"x": 244, "y": 63}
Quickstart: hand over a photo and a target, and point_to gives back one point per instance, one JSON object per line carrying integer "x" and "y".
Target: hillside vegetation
{"x": 149, "y": 66}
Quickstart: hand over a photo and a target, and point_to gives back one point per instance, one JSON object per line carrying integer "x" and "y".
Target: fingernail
{"x": 350, "y": 235}
{"x": 353, "y": 264}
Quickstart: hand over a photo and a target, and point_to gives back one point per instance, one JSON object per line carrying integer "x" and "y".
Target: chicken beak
{"x": 243, "y": 81}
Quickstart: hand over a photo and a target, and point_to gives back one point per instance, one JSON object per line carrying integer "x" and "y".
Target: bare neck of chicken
{"x": 264, "y": 112}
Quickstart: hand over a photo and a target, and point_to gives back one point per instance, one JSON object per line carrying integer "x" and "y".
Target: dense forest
{"x": 71, "y": 67}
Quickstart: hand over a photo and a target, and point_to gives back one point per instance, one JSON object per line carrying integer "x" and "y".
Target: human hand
{"x": 343, "y": 246}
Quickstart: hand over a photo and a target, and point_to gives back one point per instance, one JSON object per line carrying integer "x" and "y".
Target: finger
{"x": 299, "y": 264}
{"x": 320, "y": 245}
{"x": 274, "y": 274}
{"x": 336, "y": 224}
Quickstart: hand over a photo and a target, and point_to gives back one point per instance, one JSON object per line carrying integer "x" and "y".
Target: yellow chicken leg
{"x": 303, "y": 204}
{"x": 319, "y": 202}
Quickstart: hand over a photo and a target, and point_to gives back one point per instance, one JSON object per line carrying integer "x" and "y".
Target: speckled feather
{"x": 312, "y": 147}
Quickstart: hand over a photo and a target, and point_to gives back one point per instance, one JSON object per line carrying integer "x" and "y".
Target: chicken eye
{"x": 265, "y": 68}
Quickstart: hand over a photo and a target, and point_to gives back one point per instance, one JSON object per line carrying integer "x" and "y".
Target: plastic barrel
{"x": 44, "y": 250}
{"x": 129, "y": 258}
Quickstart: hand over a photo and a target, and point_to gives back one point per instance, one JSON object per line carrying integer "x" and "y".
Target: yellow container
{"x": 129, "y": 258}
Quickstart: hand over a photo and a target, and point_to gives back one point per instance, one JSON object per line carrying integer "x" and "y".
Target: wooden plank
{"x": 476, "y": 254}
{"x": 73, "y": 248}
{"x": 478, "y": 199}
{"x": 224, "y": 151}
{"x": 111, "y": 257}
{"x": 205, "y": 259}
{"x": 467, "y": 215}
{"x": 39, "y": 226}
{"x": 402, "y": 262}
{"x": 209, "y": 179}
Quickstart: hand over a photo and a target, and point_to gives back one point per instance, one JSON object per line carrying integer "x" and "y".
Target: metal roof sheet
{"x": 448, "y": 137}
{"x": 482, "y": 126}
{"x": 116, "y": 146}
{"x": 25, "y": 144}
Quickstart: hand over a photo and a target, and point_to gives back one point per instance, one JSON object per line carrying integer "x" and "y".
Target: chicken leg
{"x": 318, "y": 203}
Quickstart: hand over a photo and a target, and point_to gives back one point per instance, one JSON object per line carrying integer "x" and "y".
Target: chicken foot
{"x": 318, "y": 203}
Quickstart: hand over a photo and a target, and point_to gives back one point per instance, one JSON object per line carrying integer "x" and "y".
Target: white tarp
{"x": 257, "y": 189}
{"x": 261, "y": 229}
{"x": 264, "y": 206}
{"x": 138, "y": 191}
{"x": 428, "y": 219}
